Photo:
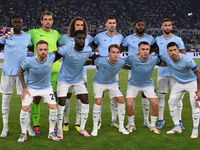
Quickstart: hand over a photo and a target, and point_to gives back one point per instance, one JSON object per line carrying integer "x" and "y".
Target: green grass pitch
{"x": 108, "y": 137}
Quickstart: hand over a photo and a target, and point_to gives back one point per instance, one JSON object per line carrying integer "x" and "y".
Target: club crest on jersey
{"x": 49, "y": 64}
{"x": 84, "y": 55}
{"x": 54, "y": 35}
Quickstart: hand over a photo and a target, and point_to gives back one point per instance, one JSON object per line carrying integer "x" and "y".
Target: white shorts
{"x": 113, "y": 90}
{"x": 47, "y": 95}
{"x": 179, "y": 88}
{"x": 133, "y": 91}
{"x": 7, "y": 84}
{"x": 63, "y": 88}
{"x": 164, "y": 83}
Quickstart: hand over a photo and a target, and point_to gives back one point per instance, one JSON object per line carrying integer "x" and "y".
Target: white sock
{"x": 29, "y": 118}
{"x": 121, "y": 114}
{"x": 131, "y": 120}
{"x": 96, "y": 114}
{"x": 173, "y": 111}
{"x": 153, "y": 121}
{"x": 23, "y": 121}
{"x": 84, "y": 115}
{"x": 60, "y": 111}
{"x": 161, "y": 106}
{"x": 52, "y": 119}
{"x": 78, "y": 112}
{"x": 195, "y": 117}
{"x": 5, "y": 109}
{"x": 114, "y": 109}
{"x": 66, "y": 111}
{"x": 100, "y": 120}
{"x": 145, "y": 104}
{"x": 179, "y": 108}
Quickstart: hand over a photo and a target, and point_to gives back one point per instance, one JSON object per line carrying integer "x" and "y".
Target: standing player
{"x": 15, "y": 50}
{"x": 71, "y": 75}
{"x": 38, "y": 84}
{"x": 76, "y": 24}
{"x": 132, "y": 42}
{"x": 104, "y": 40}
{"x": 142, "y": 66}
{"x": 105, "y": 79}
{"x": 51, "y": 37}
{"x": 187, "y": 76}
{"x": 164, "y": 75}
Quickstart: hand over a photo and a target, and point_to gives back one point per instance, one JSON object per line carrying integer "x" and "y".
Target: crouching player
{"x": 187, "y": 76}
{"x": 142, "y": 65}
{"x": 105, "y": 79}
{"x": 38, "y": 84}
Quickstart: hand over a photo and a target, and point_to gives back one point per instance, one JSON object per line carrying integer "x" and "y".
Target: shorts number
{"x": 52, "y": 96}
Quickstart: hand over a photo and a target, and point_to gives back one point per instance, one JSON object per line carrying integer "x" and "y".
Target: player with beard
{"x": 51, "y": 37}
{"x": 15, "y": 50}
{"x": 104, "y": 40}
{"x": 187, "y": 78}
{"x": 71, "y": 75}
{"x": 38, "y": 84}
{"x": 165, "y": 79}
{"x": 131, "y": 43}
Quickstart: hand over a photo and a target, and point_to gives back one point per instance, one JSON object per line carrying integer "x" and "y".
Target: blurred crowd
{"x": 185, "y": 15}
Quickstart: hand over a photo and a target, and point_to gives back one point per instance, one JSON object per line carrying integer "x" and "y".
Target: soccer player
{"x": 71, "y": 75}
{"x": 165, "y": 79}
{"x": 187, "y": 76}
{"x": 132, "y": 42}
{"x": 38, "y": 84}
{"x": 105, "y": 79}
{"x": 51, "y": 37}
{"x": 104, "y": 40}
{"x": 142, "y": 66}
{"x": 78, "y": 23}
{"x": 15, "y": 50}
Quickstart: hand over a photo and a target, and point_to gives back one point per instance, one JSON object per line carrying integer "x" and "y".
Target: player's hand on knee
{"x": 24, "y": 93}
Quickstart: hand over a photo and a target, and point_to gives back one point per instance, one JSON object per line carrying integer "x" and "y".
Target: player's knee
{"x": 25, "y": 108}
{"x": 52, "y": 106}
{"x": 98, "y": 101}
{"x": 61, "y": 101}
{"x": 83, "y": 98}
{"x": 37, "y": 99}
{"x": 69, "y": 95}
{"x": 129, "y": 104}
{"x": 120, "y": 100}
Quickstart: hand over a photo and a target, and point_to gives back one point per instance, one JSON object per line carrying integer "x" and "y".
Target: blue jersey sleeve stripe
{"x": 195, "y": 68}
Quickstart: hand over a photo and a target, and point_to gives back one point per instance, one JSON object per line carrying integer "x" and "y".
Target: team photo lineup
{"x": 45, "y": 65}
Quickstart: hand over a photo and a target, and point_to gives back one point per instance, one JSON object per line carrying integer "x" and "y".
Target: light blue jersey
{"x": 104, "y": 41}
{"x": 38, "y": 74}
{"x": 65, "y": 39}
{"x": 132, "y": 42}
{"x": 106, "y": 72}
{"x": 73, "y": 62}
{"x": 182, "y": 71}
{"x": 15, "y": 51}
{"x": 162, "y": 42}
{"x": 141, "y": 72}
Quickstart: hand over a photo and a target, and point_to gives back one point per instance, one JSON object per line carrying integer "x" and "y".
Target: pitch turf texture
{"x": 108, "y": 137}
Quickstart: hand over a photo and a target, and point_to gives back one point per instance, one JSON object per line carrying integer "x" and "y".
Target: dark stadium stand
{"x": 185, "y": 15}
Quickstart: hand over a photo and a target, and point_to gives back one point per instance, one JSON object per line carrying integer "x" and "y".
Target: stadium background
{"x": 185, "y": 15}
